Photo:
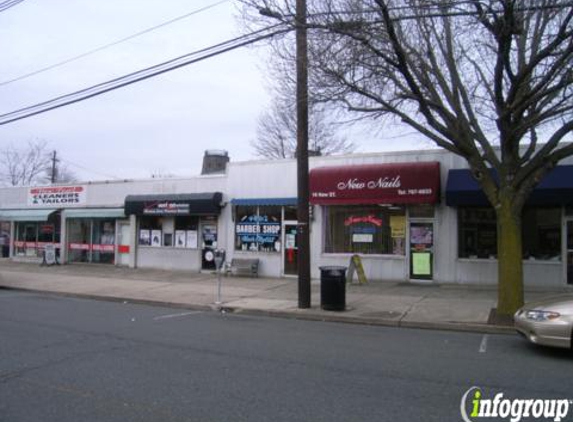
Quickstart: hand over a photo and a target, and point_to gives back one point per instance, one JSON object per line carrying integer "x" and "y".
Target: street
{"x": 65, "y": 359}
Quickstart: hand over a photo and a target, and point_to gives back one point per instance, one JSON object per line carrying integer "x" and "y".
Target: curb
{"x": 303, "y": 315}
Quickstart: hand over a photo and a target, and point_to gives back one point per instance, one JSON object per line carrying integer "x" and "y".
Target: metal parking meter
{"x": 219, "y": 257}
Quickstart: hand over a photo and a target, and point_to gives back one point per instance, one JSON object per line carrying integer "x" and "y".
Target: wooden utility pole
{"x": 53, "y": 177}
{"x": 303, "y": 232}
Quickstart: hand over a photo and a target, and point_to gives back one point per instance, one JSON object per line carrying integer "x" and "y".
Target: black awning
{"x": 556, "y": 188}
{"x": 176, "y": 204}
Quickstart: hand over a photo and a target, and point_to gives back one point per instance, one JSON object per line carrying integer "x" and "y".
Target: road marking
{"x": 157, "y": 318}
{"x": 483, "y": 345}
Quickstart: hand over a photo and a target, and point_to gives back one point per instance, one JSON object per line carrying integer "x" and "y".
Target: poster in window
{"x": 156, "y": 238}
{"x": 421, "y": 263}
{"x": 180, "y": 241}
{"x": 145, "y": 237}
{"x": 191, "y": 240}
{"x": 421, "y": 235}
{"x": 398, "y": 226}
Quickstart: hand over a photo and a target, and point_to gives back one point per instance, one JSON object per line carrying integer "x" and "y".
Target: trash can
{"x": 333, "y": 288}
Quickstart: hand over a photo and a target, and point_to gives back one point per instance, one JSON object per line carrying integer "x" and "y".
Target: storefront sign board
{"x": 394, "y": 183}
{"x": 56, "y": 196}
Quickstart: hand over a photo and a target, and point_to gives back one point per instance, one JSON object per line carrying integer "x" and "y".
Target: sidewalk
{"x": 399, "y": 304}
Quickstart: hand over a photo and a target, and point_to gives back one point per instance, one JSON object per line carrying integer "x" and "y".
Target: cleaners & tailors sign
{"x": 56, "y": 196}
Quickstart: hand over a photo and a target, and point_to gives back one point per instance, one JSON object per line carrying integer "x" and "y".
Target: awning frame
{"x": 172, "y": 205}
{"x": 41, "y": 214}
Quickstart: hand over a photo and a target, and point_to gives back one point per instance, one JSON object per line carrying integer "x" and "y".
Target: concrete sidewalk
{"x": 401, "y": 304}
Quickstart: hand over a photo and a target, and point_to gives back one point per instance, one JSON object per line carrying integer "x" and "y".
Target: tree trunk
{"x": 510, "y": 261}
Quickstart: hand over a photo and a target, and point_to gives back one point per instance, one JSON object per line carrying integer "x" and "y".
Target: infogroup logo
{"x": 514, "y": 410}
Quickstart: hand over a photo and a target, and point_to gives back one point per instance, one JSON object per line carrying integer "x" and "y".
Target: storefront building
{"x": 384, "y": 211}
{"x": 410, "y": 216}
{"x": 176, "y": 230}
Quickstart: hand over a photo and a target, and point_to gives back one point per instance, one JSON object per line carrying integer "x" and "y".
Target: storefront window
{"x": 258, "y": 229}
{"x": 32, "y": 236}
{"x": 91, "y": 240}
{"x": 178, "y": 232}
{"x": 541, "y": 233}
{"x": 365, "y": 229}
{"x": 477, "y": 233}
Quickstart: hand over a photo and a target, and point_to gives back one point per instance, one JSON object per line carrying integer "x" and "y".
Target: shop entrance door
{"x": 290, "y": 250}
{"x": 421, "y": 250}
{"x": 569, "y": 252}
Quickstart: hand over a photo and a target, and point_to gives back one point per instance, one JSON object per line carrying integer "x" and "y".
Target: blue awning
{"x": 556, "y": 188}
{"x": 264, "y": 201}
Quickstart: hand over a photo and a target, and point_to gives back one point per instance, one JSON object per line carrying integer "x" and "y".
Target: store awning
{"x": 95, "y": 213}
{"x": 264, "y": 201}
{"x": 556, "y": 188}
{"x": 172, "y": 205}
{"x": 394, "y": 183}
{"x": 26, "y": 215}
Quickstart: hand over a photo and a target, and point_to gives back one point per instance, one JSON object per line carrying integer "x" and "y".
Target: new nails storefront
{"x": 382, "y": 212}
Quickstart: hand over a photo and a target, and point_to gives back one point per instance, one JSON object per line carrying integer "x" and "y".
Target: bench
{"x": 244, "y": 266}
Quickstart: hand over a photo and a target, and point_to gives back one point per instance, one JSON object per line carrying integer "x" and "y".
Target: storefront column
{"x": 63, "y": 238}
{"x": 12, "y": 238}
{"x": 133, "y": 240}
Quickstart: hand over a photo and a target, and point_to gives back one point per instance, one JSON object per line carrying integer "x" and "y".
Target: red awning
{"x": 396, "y": 183}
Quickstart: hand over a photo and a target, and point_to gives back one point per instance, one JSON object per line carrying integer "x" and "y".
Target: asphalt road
{"x": 72, "y": 360}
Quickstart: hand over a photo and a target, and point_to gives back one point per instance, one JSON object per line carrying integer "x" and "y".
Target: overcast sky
{"x": 163, "y": 124}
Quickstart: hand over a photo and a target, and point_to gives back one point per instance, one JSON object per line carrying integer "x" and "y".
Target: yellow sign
{"x": 398, "y": 225}
{"x": 356, "y": 266}
{"x": 421, "y": 263}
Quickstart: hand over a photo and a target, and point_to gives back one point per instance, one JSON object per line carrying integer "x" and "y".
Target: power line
{"x": 71, "y": 163}
{"x": 112, "y": 44}
{"x": 143, "y": 74}
{"x": 8, "y": 4}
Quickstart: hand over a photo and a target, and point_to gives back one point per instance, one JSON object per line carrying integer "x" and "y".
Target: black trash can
{"x": 333, "y": 288}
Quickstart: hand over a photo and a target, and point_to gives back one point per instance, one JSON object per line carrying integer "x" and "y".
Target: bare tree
{"x": 24, "y": 167}
{"x": 488, "y": 80}
{"x": 32, "y": 165}
{"x": 276, "y": 132}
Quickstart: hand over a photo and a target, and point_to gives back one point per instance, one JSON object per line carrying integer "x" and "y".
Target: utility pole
{"x": 303, "y": 227}
{"x": 303, "y": 232}
{"x": 53, "y": 177}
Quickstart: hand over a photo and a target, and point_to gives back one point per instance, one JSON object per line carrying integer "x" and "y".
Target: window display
{"x": 541, "y": 233}
{"x": 178, "y": 232}
{"x": 258, "y": 229}
{"x": 365, "y": 229}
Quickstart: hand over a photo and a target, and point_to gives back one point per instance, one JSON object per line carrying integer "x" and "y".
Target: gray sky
{"x": 163, "y": 124}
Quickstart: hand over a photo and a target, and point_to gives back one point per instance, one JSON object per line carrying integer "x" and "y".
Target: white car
{"x": 548, "y": 322}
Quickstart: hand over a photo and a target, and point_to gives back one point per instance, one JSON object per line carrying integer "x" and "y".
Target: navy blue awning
{"x": 264, "y": 201}
{"x": 556, "y": 188}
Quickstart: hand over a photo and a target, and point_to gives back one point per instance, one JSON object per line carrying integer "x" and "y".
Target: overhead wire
{"x": 143, "y": 74}
{"x": 71, "y": 163}
{"x": 112, "y": 44}
{"x": 168, "y": 66}
{"x": 8, "y": 4}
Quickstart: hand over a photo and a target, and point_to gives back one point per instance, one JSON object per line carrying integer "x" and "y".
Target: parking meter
{"x": 219, "y": 257}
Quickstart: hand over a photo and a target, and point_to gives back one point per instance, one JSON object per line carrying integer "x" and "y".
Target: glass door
{"x": 569, "y": 252}
{"x": 421, "y": 250}
{"x": 290, "y": 250}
